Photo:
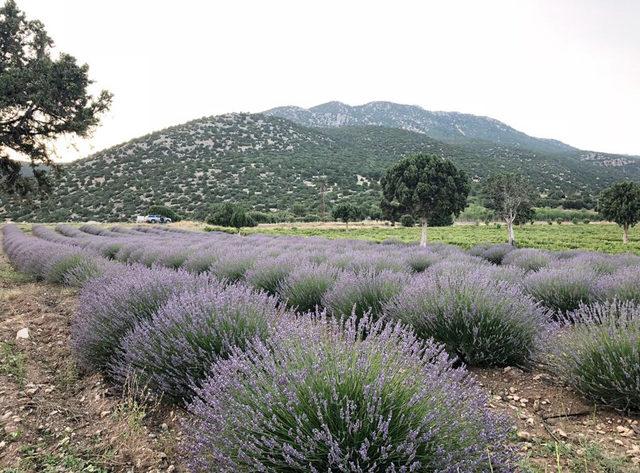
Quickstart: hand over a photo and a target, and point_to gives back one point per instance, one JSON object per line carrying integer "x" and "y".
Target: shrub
{"x": 623, "y": 285}
{"x": 363, "y": 292}
{"x": 407, "y": 221}
{"x": 171, "y": 352}
{"x": 304, "y": 288}
{"x": 598, "y": 354}
{"x": 267, "y": 274}
{"x": 232, "y": 268}
{"x": 328, "y": 399}
{"x": 82, "y": 266}
{"x": 562, "y": 290}
{"x": 420, "y": 260}
{"x": 492, "y": 253}
{"x": 483, "y": 321}
{"x": 111, "y": 305}
{"x": 528, "y": 259}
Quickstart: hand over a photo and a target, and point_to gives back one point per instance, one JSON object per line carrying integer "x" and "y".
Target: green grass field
{"x": 596, "y": 237}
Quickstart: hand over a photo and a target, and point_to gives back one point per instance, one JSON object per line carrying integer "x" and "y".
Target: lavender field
{"x": 307, "y": 354}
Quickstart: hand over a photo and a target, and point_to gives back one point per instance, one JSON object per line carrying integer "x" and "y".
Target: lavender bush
{"x": 267, "y": 274}
{"x": 528, "y": 259}
{"x": 171, "y": 352}
{"x": 325, "y": 398}
{"x": 598, "y": 354}
{"x": 623, "y": 285}
{"x": 492, "y": 253}
{"x": 562, "y": 290}
{"x": 483, "y": 321}
{"x": 232, "y": 268}
{"x": 111, "y": 305}
{"x": 304, "y": 288}
{"x": 364, "y": 292}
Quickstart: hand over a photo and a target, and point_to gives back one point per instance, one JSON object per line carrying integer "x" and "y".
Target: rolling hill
{"x": 287, "y": 155}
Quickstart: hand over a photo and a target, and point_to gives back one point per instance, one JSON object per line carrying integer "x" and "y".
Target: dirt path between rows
{"x": 54, "y": 419}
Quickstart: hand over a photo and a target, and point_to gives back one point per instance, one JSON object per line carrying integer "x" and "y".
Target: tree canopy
{"x": 42, "y": 97}
{"x": 426, "y": 187}
{"x": 347, "y": 212}
{"x": 620, "y": 203}
{"x": 509, "y": 196}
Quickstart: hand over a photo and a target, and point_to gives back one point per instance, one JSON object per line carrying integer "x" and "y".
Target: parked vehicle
{"x": 152, "y": 219}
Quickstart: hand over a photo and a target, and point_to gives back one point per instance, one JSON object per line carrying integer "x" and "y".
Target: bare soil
{"x": 53, "y": 418}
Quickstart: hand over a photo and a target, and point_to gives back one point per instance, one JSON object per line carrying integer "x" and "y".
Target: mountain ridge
{"x": 454, "y": 127}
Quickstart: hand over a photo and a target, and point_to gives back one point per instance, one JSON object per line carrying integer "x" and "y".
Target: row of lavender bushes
{"x": 245, "y": 332}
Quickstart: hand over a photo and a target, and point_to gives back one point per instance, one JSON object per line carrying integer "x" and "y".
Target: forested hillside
{"x": 270, "y": 163}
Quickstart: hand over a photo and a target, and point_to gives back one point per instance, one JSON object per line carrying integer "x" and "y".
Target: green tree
{"x": 425, "y": 187}
{"x": 220, "y": 214}
{"x": 407, "y": 221}
{"x": 41, "y": 98}
{"x": 241, "y": 218}
{"x": 299, "y": 210}
{"x": 620, "y": 203}
{"x": 347, "y": 212}
{"x": 509, "y": 196}
{"x": 165, "y": 212}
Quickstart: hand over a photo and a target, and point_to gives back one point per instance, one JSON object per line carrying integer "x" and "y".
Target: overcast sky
{"x": 563, "y": 69}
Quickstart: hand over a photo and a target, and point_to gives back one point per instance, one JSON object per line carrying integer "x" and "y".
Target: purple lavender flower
{"x": 172, "y": 351}
{"x": 562, "y": 290}
{"x": 323, "y": 397}
{"x": 485, "y": 322}
{"x": 306, "y": 285}
{"x": 598, "y": 353}
{"x": 365, "y": 292}
{"x": 110, "y": 306}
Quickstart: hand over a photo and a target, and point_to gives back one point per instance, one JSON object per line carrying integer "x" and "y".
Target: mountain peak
{"x": 450, "y": 127}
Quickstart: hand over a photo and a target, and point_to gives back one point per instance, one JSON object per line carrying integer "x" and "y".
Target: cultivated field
{"x": 603, "y": 237}
{"x": 160, "y": 348}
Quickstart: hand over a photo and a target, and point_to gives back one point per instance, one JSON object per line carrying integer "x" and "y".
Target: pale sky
{"x": 563, "y": 69}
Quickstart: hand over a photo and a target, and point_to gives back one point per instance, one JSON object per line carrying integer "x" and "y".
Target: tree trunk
{"x": 625, "y": 233}
{"x": 512, "y": 235}
{"x": 347, "y": 224}
{"x": 423, "y": 237}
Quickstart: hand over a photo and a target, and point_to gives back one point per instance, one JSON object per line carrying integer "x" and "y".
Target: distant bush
{"x": 407, "y": 221}
{"x": 343, "y": 402}
{"x": 171, "y": 352}
{"x": 363, "y": 292}
{"x": 598, "y": 354}
{"x": 481, "y": 320}
{"x": 230, "y": 215}
{"x": 562, "y": 290}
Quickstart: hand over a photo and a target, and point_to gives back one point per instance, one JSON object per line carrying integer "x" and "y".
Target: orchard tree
{"x": 42, "y": 97}
{"x": 425, "y": 187}
{"x": 620, "y": 203}
{"x": 347, "y": 212}
{"x": 509, "y": 196}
